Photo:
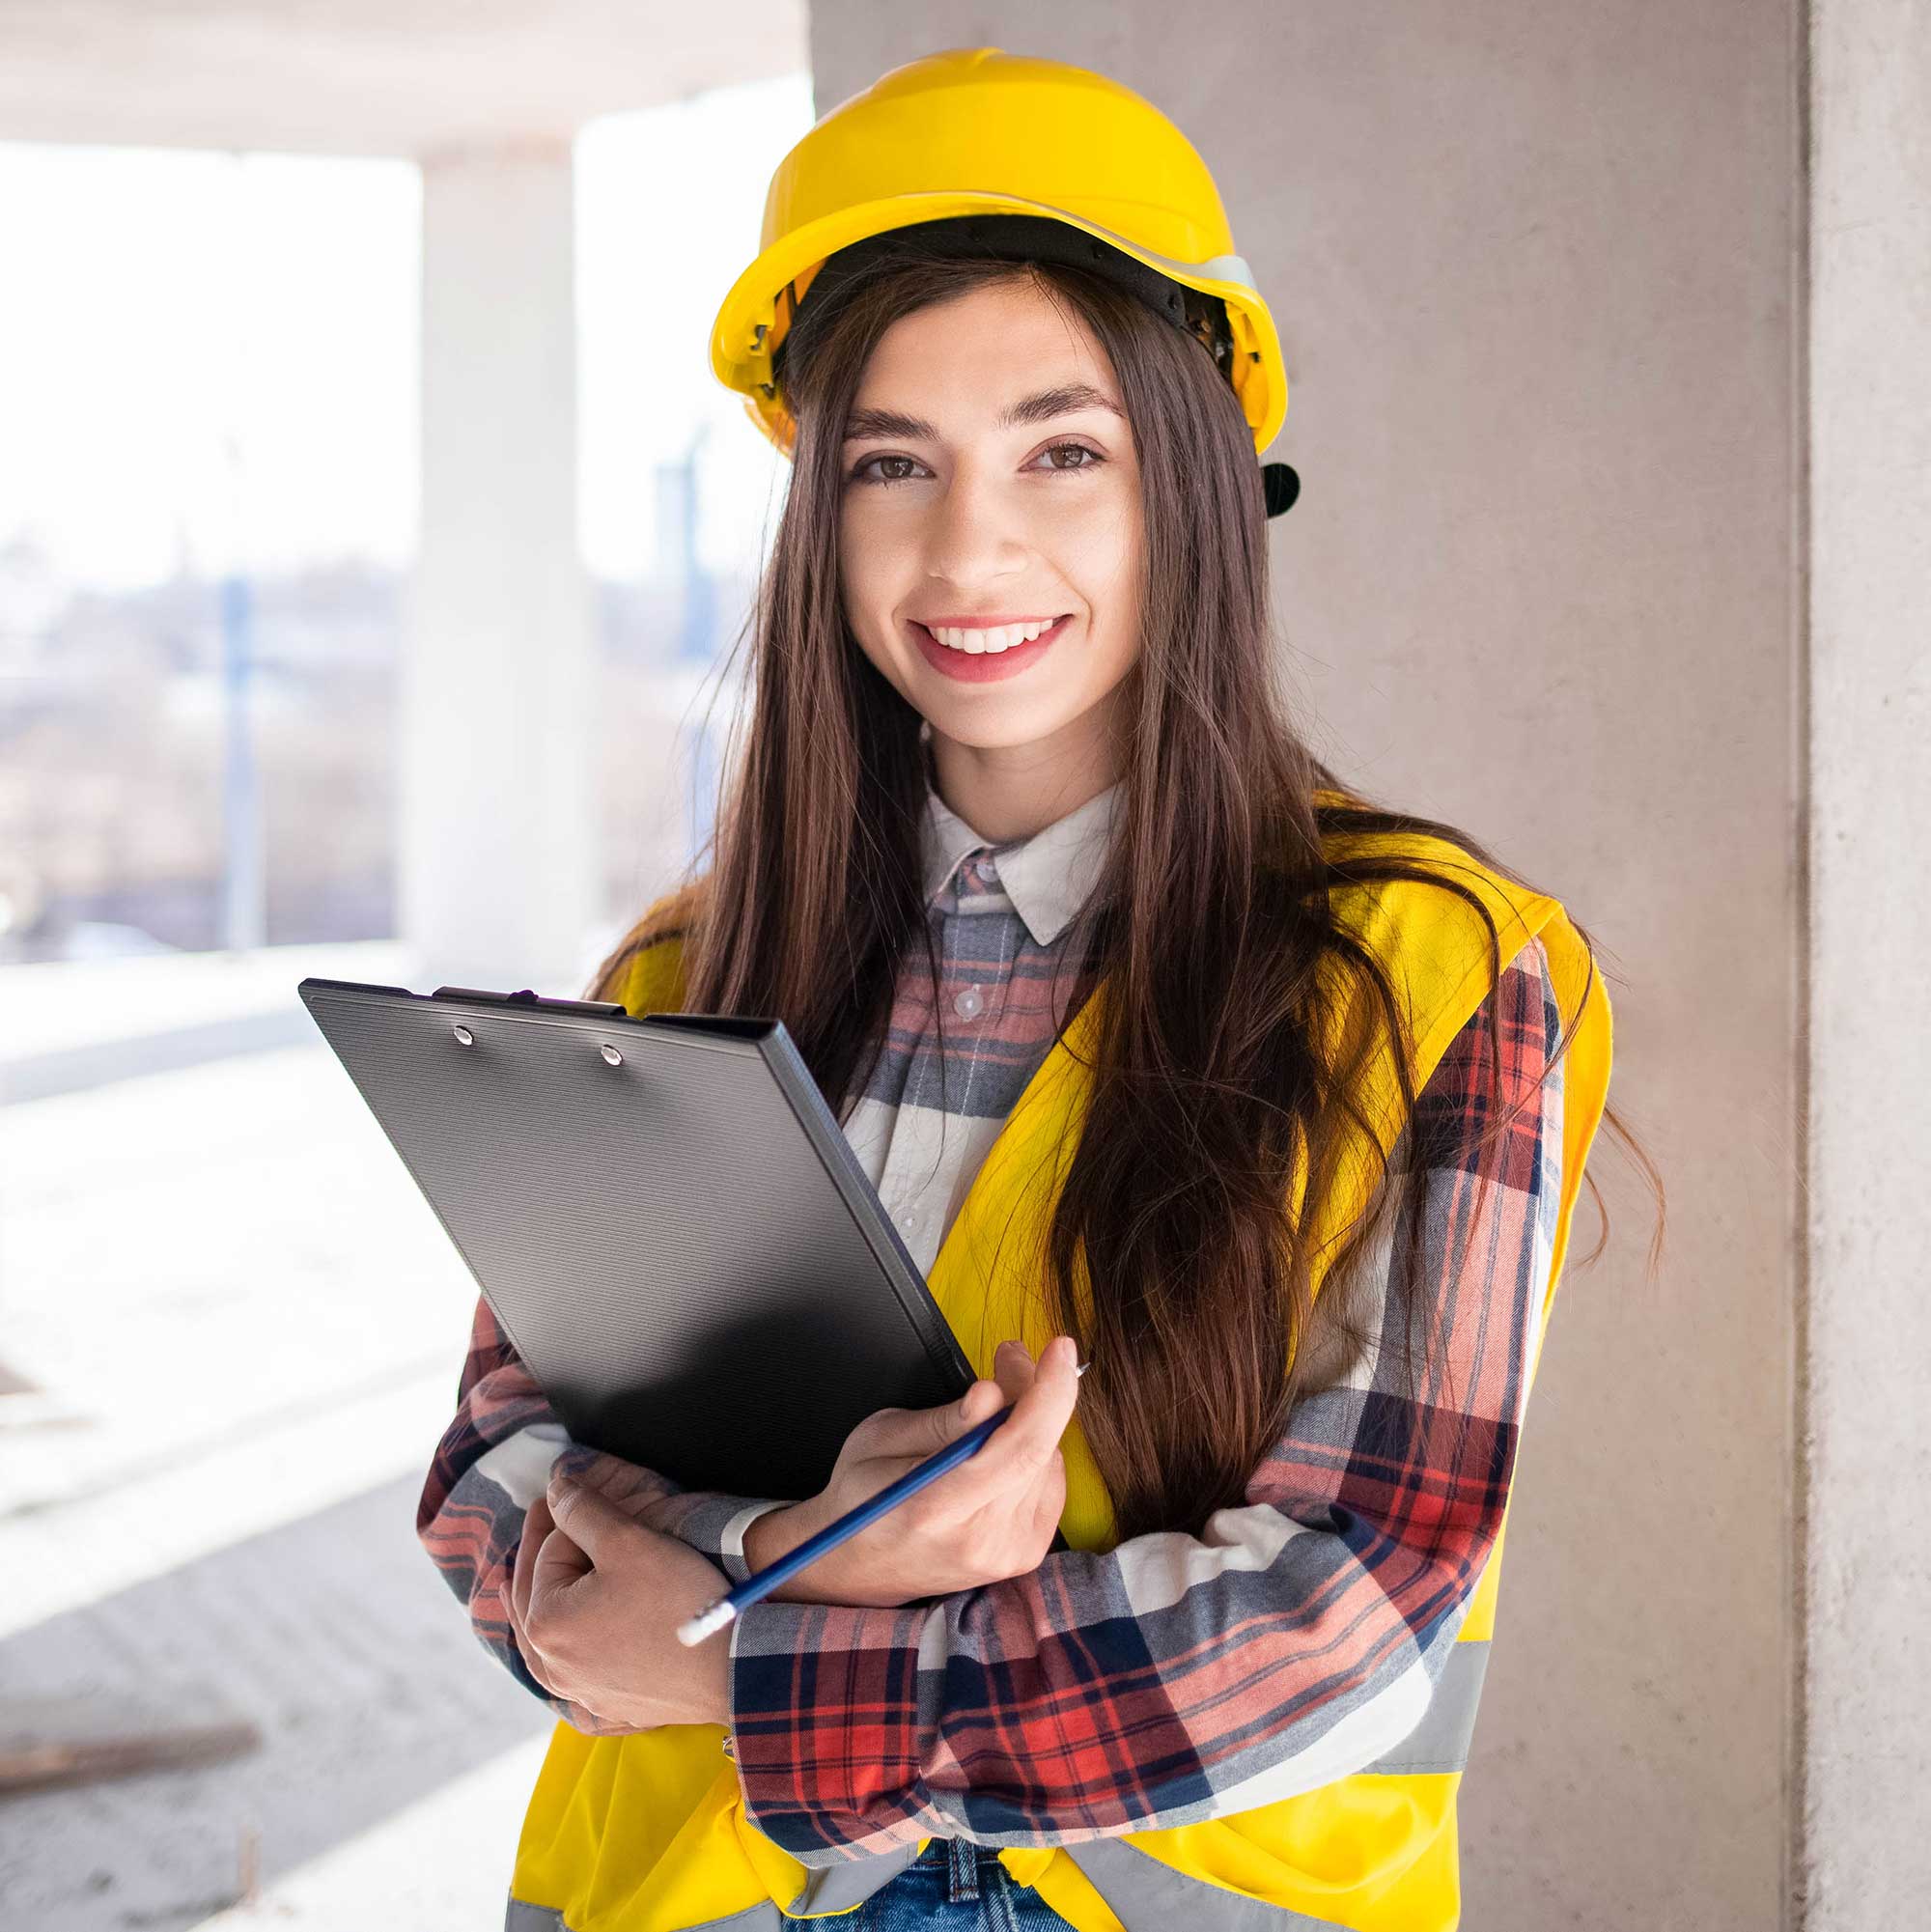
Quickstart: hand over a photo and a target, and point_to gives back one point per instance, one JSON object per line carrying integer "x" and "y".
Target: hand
{"x": 641, "y": 1494}
{"x": 992, "y": 1517}
{"x": 594, "y": 1603}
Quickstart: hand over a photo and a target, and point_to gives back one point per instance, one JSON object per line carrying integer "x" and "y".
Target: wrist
{"x": 772, "y": 1536}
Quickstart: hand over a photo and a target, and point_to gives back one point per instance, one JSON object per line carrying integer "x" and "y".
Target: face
{"x": 990, "y": 492}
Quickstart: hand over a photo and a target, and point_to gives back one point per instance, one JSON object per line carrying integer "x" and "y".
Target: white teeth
{"x": 1001, "y": 639}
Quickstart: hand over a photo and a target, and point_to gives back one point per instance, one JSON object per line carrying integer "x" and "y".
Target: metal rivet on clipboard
{"x": 612, "y": 1055}
{"x": 464, "y": 1035}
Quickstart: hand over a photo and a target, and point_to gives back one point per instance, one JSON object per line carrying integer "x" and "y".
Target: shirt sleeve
{"x": 495, "y": 1459}
{"x": 1297, "y": 1640}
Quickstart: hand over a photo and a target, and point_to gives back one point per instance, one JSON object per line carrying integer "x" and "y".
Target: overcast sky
{"x": 173, "y": 321}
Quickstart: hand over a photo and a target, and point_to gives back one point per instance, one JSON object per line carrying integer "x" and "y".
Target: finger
{"x": 922, "y": 1432}
{"x": 635, "y": 1489}
{"x": 1014, "y": 1368}
{"x": 1028, "y": 1441}
{"x": 536, "y": 1525}
{"x": 1027, "y": 1445}
{"x": 561, "y": 1564}
{"x": 591, "y": 1521}
{"x": 986, "y": 1397}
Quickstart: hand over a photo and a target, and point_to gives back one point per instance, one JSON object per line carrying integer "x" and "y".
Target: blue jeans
{"x": 960, "y": 1888}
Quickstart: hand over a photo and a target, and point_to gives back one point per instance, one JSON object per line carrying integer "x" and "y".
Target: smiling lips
{"x": 987, "y": 633}
{"x": 984, "y": 650}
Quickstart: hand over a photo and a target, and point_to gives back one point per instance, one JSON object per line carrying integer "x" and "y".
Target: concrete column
{"x": 1865, "y": 1757}
{"x": 498, "y": 822}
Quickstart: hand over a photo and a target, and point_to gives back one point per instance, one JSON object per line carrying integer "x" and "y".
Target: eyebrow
{"x": 1041, "y": 407}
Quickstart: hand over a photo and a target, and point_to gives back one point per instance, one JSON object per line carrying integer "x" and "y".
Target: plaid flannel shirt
{"x": 1172, "y": 1678}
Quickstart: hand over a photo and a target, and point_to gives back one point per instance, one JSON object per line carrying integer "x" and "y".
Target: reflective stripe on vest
{"x": 839, "y": 1888}
{"x": 1440, "y": 1741}
{"x": 764, "y": 1918}
{"x": 1149, "y": 1896}
{"x": 827, "y": 1889}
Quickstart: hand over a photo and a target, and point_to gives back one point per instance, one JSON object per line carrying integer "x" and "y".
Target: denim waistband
{"x": 963, "y": 1862}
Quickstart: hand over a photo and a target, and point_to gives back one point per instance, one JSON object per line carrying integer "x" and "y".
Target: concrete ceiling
{"x": 368, "y": 76}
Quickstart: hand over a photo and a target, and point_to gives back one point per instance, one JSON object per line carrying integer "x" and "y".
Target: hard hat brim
{"x": 747, "y": 327}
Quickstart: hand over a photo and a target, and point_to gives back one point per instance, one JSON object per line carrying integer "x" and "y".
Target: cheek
{"x": 869, "y": 590}
{"x": 878, "y": 544}
{"x": 1100, "y": 556}
{"x": 1096, "y": 528}
{"x": 877, "y": 559}
{"x": 860, "y": 566}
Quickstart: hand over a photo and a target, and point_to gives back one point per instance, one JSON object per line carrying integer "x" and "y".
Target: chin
{"x": 996, "y": 726}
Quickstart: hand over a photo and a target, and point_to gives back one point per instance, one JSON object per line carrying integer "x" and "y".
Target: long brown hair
{"x": 1211, "y": 923}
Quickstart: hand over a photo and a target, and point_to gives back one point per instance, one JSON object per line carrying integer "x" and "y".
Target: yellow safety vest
{"x": 646, "y": 1833}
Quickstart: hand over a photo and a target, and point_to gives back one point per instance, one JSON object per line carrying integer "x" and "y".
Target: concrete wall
{"x": 1538, "y": 275}
{"x": 1865, "y": 1755}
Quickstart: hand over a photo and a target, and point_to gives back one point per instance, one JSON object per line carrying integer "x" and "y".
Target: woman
{"x": 1162, "y": 1048}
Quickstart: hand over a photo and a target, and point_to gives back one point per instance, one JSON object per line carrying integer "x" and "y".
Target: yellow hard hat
{"x": 1030, "y": 158}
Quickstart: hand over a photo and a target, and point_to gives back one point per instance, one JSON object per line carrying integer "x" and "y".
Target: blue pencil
{"x": 706, "y": 1622}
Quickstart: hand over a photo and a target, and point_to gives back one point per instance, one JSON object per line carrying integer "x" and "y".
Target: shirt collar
{"x": 1047, "y": 876}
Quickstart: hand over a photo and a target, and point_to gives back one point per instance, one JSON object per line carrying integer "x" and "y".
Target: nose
{"x": 975, "y": 537}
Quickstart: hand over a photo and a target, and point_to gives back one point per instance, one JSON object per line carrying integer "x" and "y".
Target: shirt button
{"x": 969, "y": 1004}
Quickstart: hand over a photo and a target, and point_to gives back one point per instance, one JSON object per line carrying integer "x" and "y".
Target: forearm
{"x": 772, "y": 1531}
{"x": 1100, "y": 1695}
{"x": 494, "y": 1460}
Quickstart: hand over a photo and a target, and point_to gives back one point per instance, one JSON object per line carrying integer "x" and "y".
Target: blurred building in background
{"x": 321, "y": 470}
{"x": 372, "y": 535}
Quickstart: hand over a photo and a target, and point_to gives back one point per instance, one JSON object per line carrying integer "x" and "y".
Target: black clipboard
{"x": 665, "y": 1218}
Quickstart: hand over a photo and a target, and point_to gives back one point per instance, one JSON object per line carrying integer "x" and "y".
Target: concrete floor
{"x": 245, "y": 1328}
{"x": 397, "y": 1757}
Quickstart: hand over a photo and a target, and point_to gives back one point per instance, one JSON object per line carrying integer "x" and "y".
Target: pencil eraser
{"x": 706, "y": 1623}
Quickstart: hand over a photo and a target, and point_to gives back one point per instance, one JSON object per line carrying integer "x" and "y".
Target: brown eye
{"x": 858, "y": 474}
{"x": 1093, "y": 456}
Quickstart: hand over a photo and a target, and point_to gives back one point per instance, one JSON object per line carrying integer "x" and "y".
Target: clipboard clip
{"x": 601, "y": 1009}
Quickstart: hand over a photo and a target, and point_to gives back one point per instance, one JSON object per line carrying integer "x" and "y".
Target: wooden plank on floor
{"x": 49, "y": 1740}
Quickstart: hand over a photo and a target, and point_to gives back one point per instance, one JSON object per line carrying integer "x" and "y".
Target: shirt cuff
{"x": 710, "y": 1522}
{"x": 825, "y": 1726}
{"x": 731, "y": 1539}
